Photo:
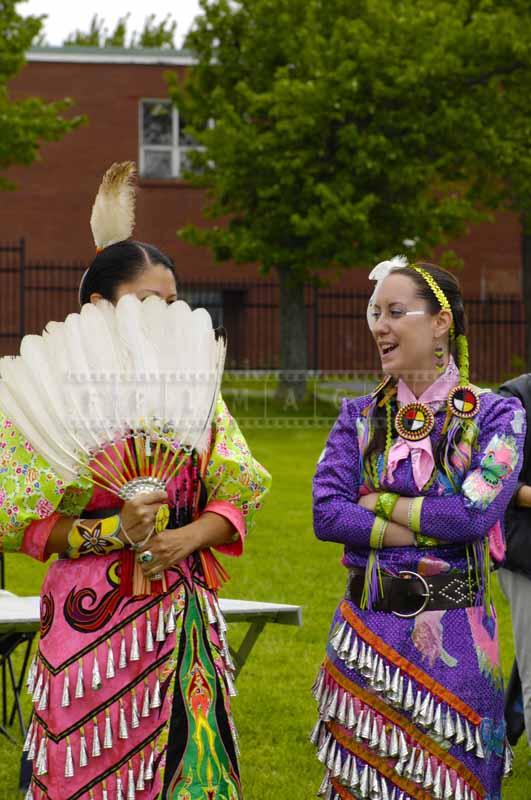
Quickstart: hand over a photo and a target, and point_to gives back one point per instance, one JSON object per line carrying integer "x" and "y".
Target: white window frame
{"x": 174, "y": 148}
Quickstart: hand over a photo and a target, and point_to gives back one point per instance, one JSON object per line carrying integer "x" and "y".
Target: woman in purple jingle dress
{"x": 414, "y": 481}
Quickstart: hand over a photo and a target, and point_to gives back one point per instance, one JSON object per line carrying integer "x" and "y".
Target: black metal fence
{"x": 32, "y": 294}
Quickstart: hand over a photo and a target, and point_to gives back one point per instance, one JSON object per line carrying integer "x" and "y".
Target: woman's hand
{"x": 168, "y": 548}
{"x": 138, "y": 515}
{"x": 172, "y": 545}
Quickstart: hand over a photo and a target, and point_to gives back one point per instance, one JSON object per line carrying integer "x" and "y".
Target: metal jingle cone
{"x": 43, "y": 702}
{"x": 438, "y": 721}
{"x": 170, "y": 623}
{"x": 83, "y": 751}
{"x": 104, "y": 792}
{"x": 418, "y": 704}
{"x": 140, "y": 785}
{"x": 383, "y": 749}
{"x": 362, "y": 657}
{"x": 134, "y": 652}
{"x": 364, "y": 782}
{"x": 374, "y": 791}
{"x": 96, "y": 675}
{"x": 156, "y": 700}
{"x": 448, "y": 790}
{"x": 316, "y": 732}
{"x": 27, "y": 740}
{"x": 367, "y": 726}
{"x": 458, "y": 792}
{"x": 32, "y": 674}
{"x": 385, "y": 789}
{"x": 332, "y": 706}
{"x": 38, "y": 688}
{"x": 354, "y": 651}
{"x": 123, "y": 732}
{"x": 131, "y": 788}
{"x": 395, "y": 684}
{"x": 507, "y": 759}
{"x": 122, "y": 658}
{"x": 430, "y": 713}
{"x": 337, "y": 635}
{"x": 107, "y": 732}
{"x": 150, "y": 643}
{"x": 354, "y": 778}
{"x": 409, "y": 700}
{"x": 149, "y": 769}
{"x": 345, "y": 770}
{"x": 341, "y": 715}
{"x": 437, "y": 789}
{"x": 480, "y": 750}
{"x": 69, "y": 761}
{"x": 146, "y": 705}
{"x": 375, "y": 735}
{"x": 459, "y": 730}
{"x": 366, "y": 669}
{"x": 338, "y": 763}
{"x": 325, "y": 783}
{"x": 317, "y": 688}
{"x": 428, "y": 775}
{"x": 449, "y": 727}
{"x": 110, "y": 670}
{"x": 400, "y": 693}
{"x": 65, "y": 697}
{"x": 359, "y": 724}
{"x": 424, "y": 710}
{"x": 379, "y": 677}
{"x": 400, "y": 766}
{"x": 351, "y": 714}
{"x": 418, "y": 772}
{"x": 469, "y": 738}
{"x": 393, "y": 743}
{"x": 466, "y": 795}
{"x": 42, "y": 758}
{"x": 331, "y": 757}
{"x": 96, "y": 745}
{"x": 322, "y": 753}
{"x": 325, "y": 700}
{"x": 29, "y": 794}
{"x": 80, "y": 687}
{"x": 410, "y": 764}
{"x": 344, "y": 648}
{"x": 33, "y": 745}
{"x": 119, "y": 788}
{"x": 135, "y": 716}
{"x": 387, "y": 685}
{"x": 403, "y": 749}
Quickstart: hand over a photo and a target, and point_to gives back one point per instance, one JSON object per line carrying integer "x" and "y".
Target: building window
{"x": 165, "y": 144}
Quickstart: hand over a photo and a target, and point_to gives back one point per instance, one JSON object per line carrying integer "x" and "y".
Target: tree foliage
{"x": 159, "y": 34}
{"x": 345, "y": 127}
{"x": 24, "y": 124}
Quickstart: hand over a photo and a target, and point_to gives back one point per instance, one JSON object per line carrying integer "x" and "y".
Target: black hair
{"x": 117, "y": 264}
{"x": 450, "y": 286}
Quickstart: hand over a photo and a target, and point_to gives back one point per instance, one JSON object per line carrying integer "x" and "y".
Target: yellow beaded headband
{"x": 461, "y": 342}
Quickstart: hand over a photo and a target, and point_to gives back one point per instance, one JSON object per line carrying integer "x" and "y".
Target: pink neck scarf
{"x": 421, "y": 453}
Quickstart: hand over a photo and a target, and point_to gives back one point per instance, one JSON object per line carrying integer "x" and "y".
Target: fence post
{"x": 315, "y": 328}
{"x": 22, "y": 288}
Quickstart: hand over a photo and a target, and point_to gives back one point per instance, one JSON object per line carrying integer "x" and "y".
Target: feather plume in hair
{"x": 113, "y": 213}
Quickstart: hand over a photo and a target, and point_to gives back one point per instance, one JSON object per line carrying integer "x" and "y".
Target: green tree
{"x": 24, "y": 124}
{"x": 344, "y": 128}
{"x": 154, "y": 34}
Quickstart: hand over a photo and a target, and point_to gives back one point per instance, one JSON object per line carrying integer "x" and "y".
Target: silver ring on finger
{"x": 145, "y": 558}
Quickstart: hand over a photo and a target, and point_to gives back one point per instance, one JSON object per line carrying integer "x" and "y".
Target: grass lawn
{"x": 284, "y": 562}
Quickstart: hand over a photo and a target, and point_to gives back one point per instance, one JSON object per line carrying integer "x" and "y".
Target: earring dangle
{"x": 439, "y": 359}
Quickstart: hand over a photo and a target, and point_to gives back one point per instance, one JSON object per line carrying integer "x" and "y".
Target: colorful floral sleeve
{"x": 30, "y": 494}
{"x": 236, "y": 483}
{"x": 489, "y": 484}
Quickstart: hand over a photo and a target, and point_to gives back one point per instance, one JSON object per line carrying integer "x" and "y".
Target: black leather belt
{"x": 409, "y": 593}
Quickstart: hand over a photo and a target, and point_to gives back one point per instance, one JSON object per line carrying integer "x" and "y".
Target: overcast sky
{"x": 65, "y": 16}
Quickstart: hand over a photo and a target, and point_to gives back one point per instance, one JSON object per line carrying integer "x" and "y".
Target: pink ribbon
{"x": 421, "y": 453}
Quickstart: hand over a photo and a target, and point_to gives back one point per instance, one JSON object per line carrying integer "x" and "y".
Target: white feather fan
{"x": 120, "y": 393}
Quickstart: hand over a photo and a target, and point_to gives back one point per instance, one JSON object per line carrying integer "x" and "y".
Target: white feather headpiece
{"x": 381, "y": 271}
{"x": 113, "y": 213}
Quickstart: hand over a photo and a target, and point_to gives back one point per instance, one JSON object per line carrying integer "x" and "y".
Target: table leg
{"x": 240, "y": 656}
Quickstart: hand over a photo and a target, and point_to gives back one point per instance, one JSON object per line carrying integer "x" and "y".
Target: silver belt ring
{"x": 426, "y": 594}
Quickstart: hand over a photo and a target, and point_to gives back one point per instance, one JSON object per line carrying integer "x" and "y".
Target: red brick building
{"x": 123, "y": 93}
